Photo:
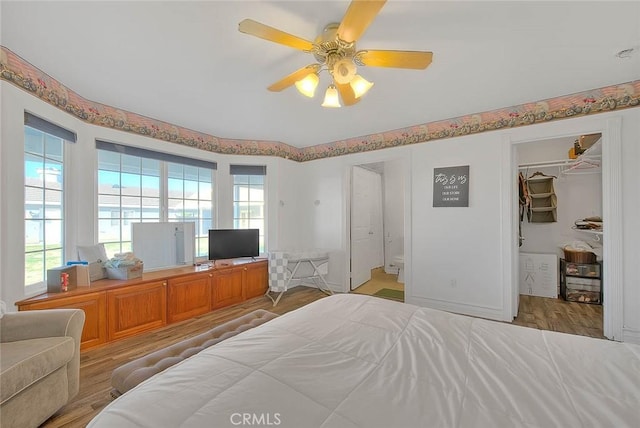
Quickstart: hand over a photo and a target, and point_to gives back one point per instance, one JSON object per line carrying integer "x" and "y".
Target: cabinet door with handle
{"x": 132, "y": 310}
{"x": 188, "y": 296}
{"x": 226, "y": 287}
{"x": 256, "y": 277}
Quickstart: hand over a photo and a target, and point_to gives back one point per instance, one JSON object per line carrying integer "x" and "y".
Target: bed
{"x": 357, "y": 361}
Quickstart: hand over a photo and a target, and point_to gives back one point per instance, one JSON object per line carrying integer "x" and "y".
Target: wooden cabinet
{"x": 226, "y": 287}
{"x": 234, "y": 285}
{"x": 188, "y": 296}
{"x": 94, "y": 306}
{"x": 256, "y": 277}
{"x": 115, "y": 309}
{"x": 136, "y": 309}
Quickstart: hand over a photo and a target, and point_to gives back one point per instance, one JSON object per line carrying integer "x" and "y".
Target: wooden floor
{"x": 96, "y": 365}
{"x": 558, "y": 315}
{"x": 379, "y": 280}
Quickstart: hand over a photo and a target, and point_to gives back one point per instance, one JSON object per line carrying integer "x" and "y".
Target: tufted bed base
{"x": 134, "y": 372}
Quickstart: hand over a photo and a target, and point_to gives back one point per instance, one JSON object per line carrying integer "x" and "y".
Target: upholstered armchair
{"x": 39, "y": 364}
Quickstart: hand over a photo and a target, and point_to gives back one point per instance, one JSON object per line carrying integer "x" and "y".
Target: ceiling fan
{"x": 335, "y": 50}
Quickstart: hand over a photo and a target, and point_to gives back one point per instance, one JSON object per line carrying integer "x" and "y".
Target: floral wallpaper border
{"x": 19, "y": 72}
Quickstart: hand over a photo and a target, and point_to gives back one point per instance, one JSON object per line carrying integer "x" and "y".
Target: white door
{"x": 366, "y": 224}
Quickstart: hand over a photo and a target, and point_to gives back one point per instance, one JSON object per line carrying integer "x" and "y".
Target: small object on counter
{"x": 66, "y": 278}
{"x": 64, "y": 281}
{"x": 124, "y": 266}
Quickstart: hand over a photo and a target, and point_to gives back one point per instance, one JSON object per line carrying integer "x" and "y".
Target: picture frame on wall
{"x": 451, "y": 186}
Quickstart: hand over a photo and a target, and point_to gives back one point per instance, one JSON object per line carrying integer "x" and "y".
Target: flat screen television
{"x": 233, "y": 243}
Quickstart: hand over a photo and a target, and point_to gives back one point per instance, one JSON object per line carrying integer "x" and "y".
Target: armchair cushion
{"x": 40, "y": 364}
{"x": 44, "y": 356}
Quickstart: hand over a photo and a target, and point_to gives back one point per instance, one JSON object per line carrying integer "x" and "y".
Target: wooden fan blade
{"x": 346, "y": 93}
{"x": 396, "y": 59}
{"x": 254, "y": 28}
{"x": 359, "y": 15}
{"x": 293, "y": 78}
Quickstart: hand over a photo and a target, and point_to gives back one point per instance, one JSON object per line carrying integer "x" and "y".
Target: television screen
{"x": 233, "y": 243}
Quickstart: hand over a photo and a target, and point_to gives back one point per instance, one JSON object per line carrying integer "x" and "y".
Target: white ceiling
{"x": 187, "y": 64}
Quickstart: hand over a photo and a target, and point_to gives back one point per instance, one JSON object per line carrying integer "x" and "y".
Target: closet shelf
{"x": 543, "y": 209}
{"x": 587, "y": 163}
{"x": 541, "y": 195}
{"x": 591, "y": 231}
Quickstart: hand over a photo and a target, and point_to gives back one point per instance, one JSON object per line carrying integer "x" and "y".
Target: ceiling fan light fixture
{"x": 331, "y": 97}
{"x": 343, "y": 71}
{"x": 360, "y": 85}
{"x": 307, "y": 85}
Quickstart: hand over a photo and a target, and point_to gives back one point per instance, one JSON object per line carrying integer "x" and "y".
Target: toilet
{"x": 398, "y": 261}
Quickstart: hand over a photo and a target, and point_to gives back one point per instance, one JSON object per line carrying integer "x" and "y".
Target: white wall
{"x": 456, "y": 250}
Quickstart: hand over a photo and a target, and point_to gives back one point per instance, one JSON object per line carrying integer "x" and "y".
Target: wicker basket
{"x": 578, "y": 256}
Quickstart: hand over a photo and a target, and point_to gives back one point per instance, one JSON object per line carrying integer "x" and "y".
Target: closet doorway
{"x": 561, "y": 205}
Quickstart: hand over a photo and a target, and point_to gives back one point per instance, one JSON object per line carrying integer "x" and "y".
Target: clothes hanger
{"x": 542, "y": 174}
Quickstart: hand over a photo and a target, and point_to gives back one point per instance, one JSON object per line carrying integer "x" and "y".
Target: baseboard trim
{"x": 458, "y": 308}
{"x": 631, "y": 335}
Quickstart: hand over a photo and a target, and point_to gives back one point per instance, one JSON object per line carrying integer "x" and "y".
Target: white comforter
{"x": 358, "y": 361}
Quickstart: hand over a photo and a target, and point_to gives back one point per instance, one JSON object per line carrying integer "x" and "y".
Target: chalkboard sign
{"x": 451, "y": 186}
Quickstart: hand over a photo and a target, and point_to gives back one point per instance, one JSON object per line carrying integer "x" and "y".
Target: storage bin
{"x": 579, "y": 256}
{"x": 540, "y": 185}
{"x": 546, "y": 200}
{"x": 590, "y": 270}
{"x": 583, "y": 296}
{"x": 542, "y": 208}
{"x": 583, "y": 284}
{"x": 125, "y": 272}
{"x": 543, "y": 215}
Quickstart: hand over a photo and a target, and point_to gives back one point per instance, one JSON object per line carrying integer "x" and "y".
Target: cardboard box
{"x": 125, "y": 272}
{"x": 588, "y": 140}
{"x": 96, "y": 271}
{"x": 65, "y": 278}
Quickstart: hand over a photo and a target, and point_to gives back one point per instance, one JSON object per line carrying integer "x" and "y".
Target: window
{"x": 138, "y": 185}
{"x": 189, "y": 199}
{"x": 43, "y": 197}
{"x": 248, "y": 198}
{"x": 128, "y": 191}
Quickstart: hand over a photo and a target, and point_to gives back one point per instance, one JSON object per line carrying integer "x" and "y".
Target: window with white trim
{"x": 249, "y": 200}
{"x": 44, "y": 146}
{"x": 138, "y": 185}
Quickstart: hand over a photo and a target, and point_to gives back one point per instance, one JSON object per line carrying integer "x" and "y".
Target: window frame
{"x": 249, "y": 171}
{"x": 40, "y": 286}
{"x": 164, "y": 198}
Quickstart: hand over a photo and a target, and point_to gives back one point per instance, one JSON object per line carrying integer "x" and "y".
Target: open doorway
{"x": 377, "y": 229}
{"x": 560, "y": 194}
